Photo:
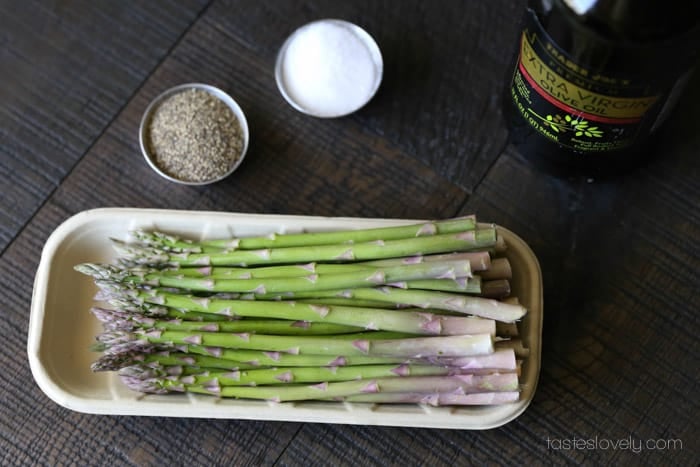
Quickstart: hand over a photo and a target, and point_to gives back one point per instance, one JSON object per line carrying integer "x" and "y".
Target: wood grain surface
{"x": 620, "y": 258}
{"x": 68, "y": 68}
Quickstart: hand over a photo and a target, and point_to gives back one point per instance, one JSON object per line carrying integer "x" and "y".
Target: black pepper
{"x": 194, "y": 136}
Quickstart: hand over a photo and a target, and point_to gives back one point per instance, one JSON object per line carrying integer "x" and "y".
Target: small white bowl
{"x": 216, "y": 92}
{"x": 374, "y": 57}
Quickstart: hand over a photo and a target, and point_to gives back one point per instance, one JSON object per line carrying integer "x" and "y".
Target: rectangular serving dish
{"x": 61, "y": 329}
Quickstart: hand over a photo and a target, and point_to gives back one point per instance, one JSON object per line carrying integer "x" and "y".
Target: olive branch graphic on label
{"x": 562, "y": 124}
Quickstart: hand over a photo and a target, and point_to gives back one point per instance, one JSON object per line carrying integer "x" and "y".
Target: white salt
{"x": 329, "y": 69}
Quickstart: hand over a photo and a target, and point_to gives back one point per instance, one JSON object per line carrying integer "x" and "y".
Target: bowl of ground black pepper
{"x": 194, "y": 134}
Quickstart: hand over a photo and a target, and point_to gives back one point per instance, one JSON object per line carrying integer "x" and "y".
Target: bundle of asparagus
{"x": 407, "y": 314}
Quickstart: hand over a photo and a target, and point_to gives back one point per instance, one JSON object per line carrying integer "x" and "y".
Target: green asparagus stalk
{"x": 280, "y": 359}
{"x": 341, "y": 301}
{"x": 352, "y": 278}
{"x": 274, "y": 240}
{"x": 127, "y": 305}
{"x": 498, "y": 288}
{"x": 436, "y": 399}
{"x": 380, "y": 249}
{"x": 291, "y": 270}
{"x": 461, "y": 384}
{"x": 459, "y": 303}
{"x": 478, "y": 260}
{"x": 117, "y": 320}
{"x": 232, "y": 359}
{"x": 363, "y": 344}
{"x": 155, "y": 371}
{"x": 161, "y": 358}
{"x": 470, "y": 285}
{"x": 502, "y": 360}
{"x": 265, "y": 376}
{"x": 416, "y": 322}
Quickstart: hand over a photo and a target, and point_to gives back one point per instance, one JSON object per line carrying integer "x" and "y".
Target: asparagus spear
{"x": 265, "y": 376}
{"x": 352, "y": 278}
{"x": 291, "y": 270}
{"x": 459, "y": 303}
{"x": 478, "y": 260}
{"x": 436, "y": 399}
{"x": 379, "y": 249}
{"x": 502, "y": 360}
{"x": 117, "y": 320}
{"x": 497, "y": 288}
{"x": 235, "y": 359}
{"x": 274, "y": 240}
{"x": 461, "y": 384}
{"x": 470, "y": 285}
{"x": 362, "y": 344}
{"x": 341, "y": 301}
{"x": 230, "y": 359}
{"x": 417, "y": 322}
{"x": 160, "y": 358}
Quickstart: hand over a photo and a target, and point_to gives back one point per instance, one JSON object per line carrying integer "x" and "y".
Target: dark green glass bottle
{"x": 594, "y": 80}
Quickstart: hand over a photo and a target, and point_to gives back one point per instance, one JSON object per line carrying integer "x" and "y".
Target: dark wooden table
{"x": 620, "y": 259}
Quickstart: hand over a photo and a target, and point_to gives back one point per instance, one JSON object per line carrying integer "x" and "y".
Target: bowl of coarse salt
{"x": 329, "y": 68}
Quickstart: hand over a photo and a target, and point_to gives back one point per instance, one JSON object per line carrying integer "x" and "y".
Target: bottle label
{"x": 576, "y": 107}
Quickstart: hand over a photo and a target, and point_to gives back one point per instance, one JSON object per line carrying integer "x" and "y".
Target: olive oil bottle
{"x": 595, "y": 79}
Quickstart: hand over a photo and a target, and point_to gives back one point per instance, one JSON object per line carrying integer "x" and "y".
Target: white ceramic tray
{"x": 61, "y": 329}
